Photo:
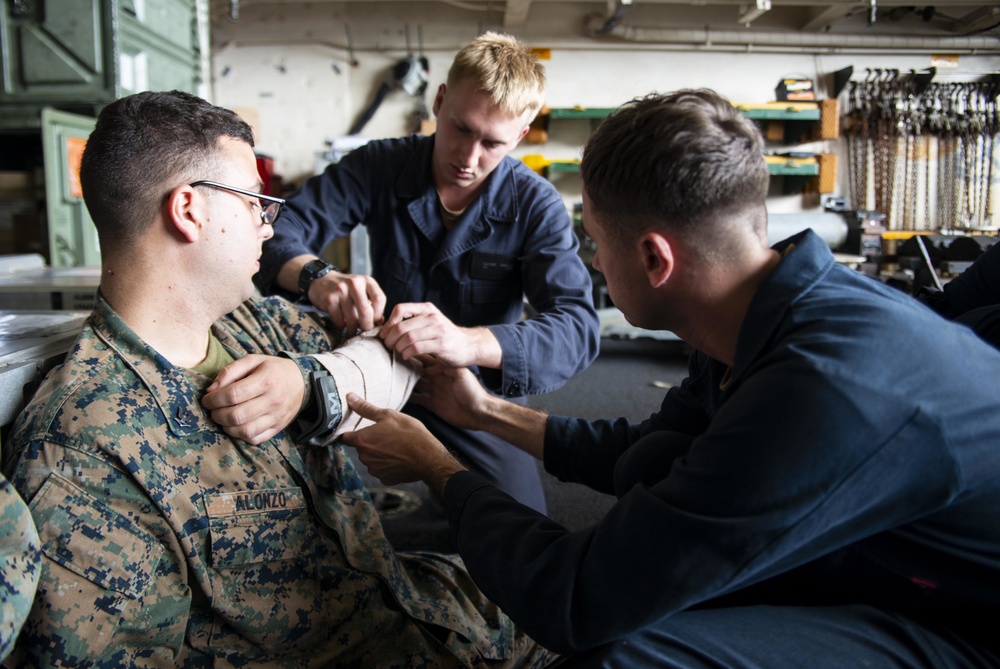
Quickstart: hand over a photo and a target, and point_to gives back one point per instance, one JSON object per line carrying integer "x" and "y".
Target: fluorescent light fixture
{"x": 760, "y": 8}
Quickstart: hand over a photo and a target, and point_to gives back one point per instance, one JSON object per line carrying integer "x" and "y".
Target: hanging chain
{"x": 891, "y": 127}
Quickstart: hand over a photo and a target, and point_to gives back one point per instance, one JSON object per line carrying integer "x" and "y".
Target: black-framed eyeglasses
{"x": 270, "y": 206}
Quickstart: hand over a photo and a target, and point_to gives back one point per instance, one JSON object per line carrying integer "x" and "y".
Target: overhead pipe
{"x": 594, "y": 26}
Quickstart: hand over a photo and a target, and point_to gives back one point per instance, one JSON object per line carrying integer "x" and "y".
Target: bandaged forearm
{"x": 364, "y": 366}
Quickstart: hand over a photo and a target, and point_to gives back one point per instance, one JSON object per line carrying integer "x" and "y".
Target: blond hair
{"x": 500, "y": 65}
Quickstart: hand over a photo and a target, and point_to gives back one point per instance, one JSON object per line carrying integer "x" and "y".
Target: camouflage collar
{"x": 171, "y": 387}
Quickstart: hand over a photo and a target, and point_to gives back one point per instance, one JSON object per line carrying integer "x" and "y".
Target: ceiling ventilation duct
{"x": 597, "y": 26}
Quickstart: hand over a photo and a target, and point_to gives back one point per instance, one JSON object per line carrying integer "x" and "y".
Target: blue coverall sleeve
{"x": 978, "y": 286}
{"x": 542, "y": 352}
{"x": 752, "y": 498}
{"x": 326, "y": 207}
{"x": 581, "y": 451}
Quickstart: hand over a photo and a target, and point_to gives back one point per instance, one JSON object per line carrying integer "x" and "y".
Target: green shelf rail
{"x": 563, "y": 167}
{"x": 588, "y": 113}
{"x": 792, "y": 168}
{"x": 770, "y": 111}
{"x": 806, "y": 170}
{"x": 778, "y": 114}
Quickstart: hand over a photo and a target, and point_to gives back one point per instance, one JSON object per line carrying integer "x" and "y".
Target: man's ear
{"x": 657, "y": 257}
{"x": 184, "y": 212}
{"x": 439, "y": 98}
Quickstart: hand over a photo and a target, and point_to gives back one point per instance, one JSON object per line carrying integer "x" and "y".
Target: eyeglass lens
{"x": 269, "y": 211}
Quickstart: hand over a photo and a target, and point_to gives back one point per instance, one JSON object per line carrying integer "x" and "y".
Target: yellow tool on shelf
{"x": 546, "y": 166}
{"x": 536, "y": 162}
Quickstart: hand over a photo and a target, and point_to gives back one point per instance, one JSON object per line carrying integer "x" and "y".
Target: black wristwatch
{"x": 312, "y": 270}
{"x": 324, "y": 411}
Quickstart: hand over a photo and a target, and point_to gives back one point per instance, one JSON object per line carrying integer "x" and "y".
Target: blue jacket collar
{"x": 499, "y": 201}
{"x": 806, "y": 261}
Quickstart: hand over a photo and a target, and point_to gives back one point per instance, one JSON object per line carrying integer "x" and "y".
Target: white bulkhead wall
{"x": 302, "y": 72}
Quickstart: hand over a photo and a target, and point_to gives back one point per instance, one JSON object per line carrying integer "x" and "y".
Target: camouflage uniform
{"x": 169, "y": 543}
{"x": 20, "y": 563}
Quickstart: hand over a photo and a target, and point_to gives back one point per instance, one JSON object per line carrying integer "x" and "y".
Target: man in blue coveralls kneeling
{"x": 823, "y": 490}
{"x": 461, "y": 236}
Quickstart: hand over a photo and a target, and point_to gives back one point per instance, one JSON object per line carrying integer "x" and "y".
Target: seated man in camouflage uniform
{"x": 167, "y": 541}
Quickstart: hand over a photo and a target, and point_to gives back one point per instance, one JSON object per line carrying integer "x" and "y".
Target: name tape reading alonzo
{"x": 255, "y": 501}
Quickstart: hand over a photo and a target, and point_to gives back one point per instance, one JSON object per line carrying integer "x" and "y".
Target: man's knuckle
{"x": 240, "y": 416}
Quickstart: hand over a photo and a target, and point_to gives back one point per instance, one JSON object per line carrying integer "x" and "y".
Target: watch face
{"x": 312, "y": 271}
{"x": 314, "y": 266}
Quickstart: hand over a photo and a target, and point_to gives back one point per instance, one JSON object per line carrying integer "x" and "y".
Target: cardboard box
{"x": 15, "y": 186}
{"x": 10, "y": 212}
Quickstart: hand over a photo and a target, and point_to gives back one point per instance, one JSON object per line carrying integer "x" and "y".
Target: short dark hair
{"x": 680, "y": 160}
{"x": 143, "y": 146}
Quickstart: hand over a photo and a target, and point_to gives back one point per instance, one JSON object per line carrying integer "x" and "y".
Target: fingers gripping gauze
{"x": 364, "y": 366}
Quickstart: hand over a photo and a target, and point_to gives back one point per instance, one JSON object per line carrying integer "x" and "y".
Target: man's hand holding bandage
{"x": 364, "y": 366}
{"x": 397, "y": 448}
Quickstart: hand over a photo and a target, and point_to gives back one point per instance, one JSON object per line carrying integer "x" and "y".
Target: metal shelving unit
{"x": 790, "y": 119}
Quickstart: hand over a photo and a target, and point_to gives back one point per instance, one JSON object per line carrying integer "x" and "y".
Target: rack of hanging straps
{"x": 921, "y": 152}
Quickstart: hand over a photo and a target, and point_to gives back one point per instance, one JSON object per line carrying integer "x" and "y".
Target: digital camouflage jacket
{"x": 20, "y": 562}
{"x": 168, "y": 543}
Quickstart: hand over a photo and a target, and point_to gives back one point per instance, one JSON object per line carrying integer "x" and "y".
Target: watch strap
{"x": 317, "y": 424}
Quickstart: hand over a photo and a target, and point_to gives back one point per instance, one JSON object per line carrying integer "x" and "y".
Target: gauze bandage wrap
{"x": 364, "y": 366}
